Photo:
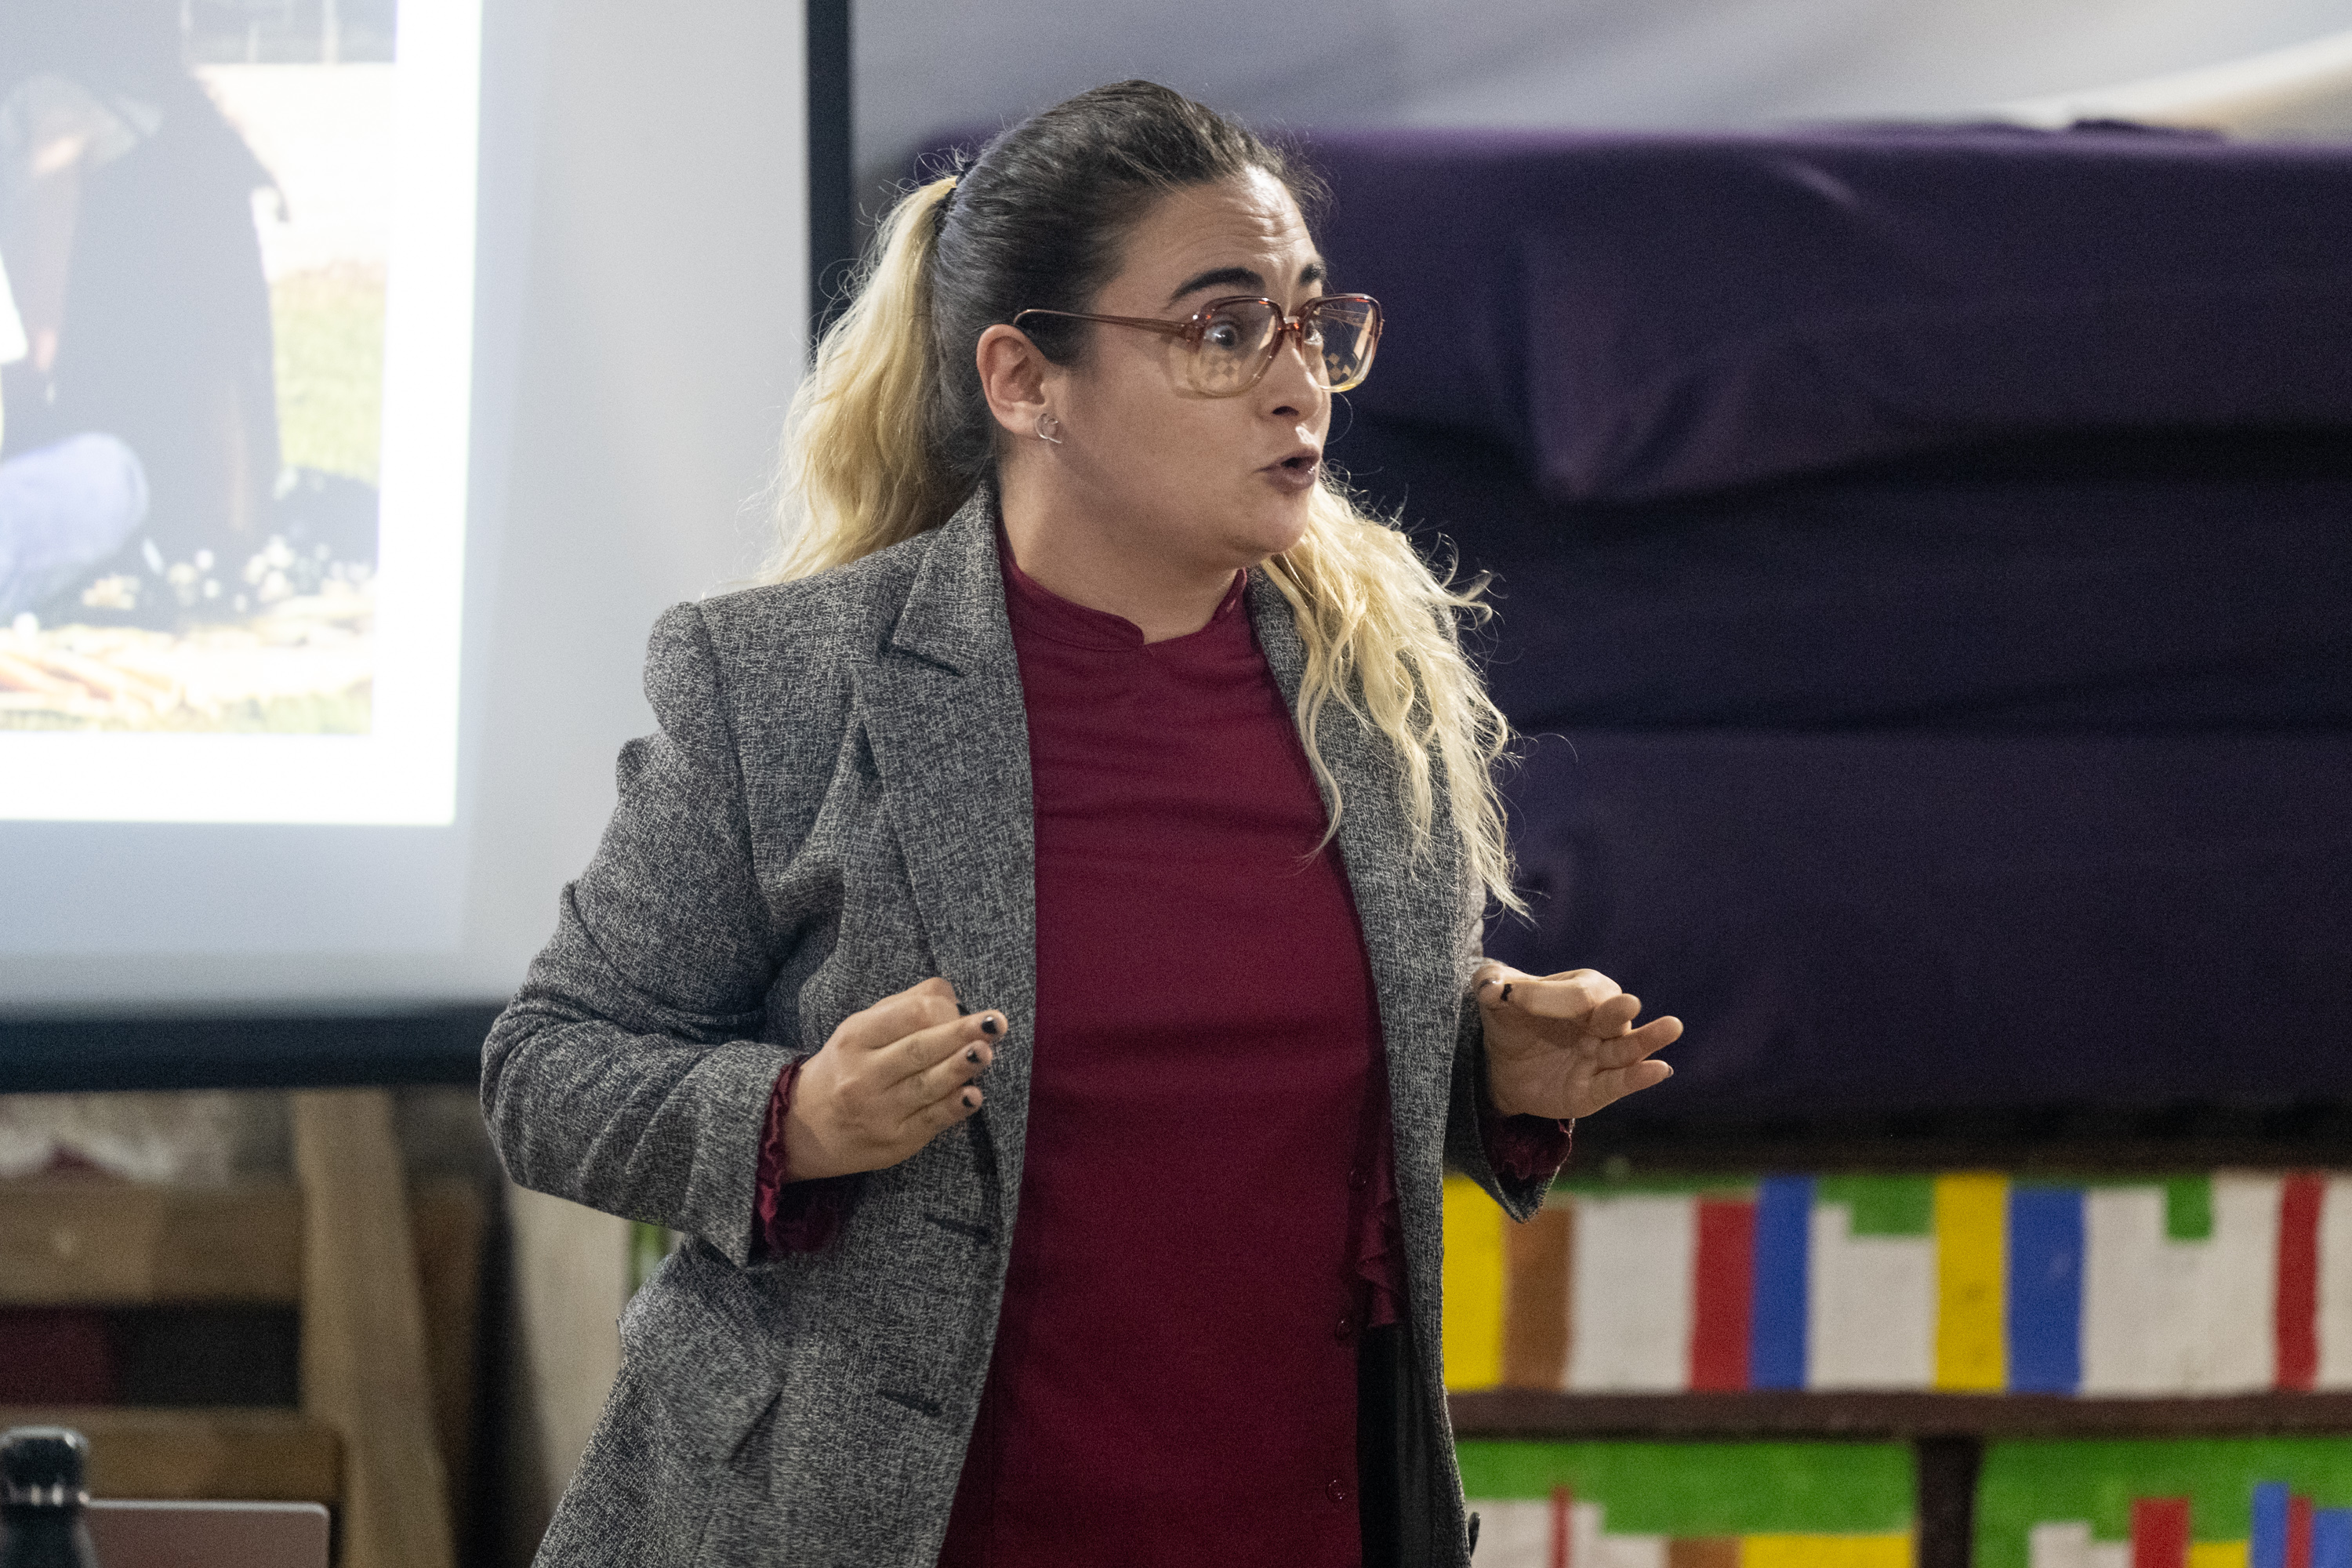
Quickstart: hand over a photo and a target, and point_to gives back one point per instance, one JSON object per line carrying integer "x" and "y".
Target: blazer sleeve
{"x": 1477, "y": 1140}
{"x": 1473, "y": 1129}
{"x": 628, "y": 1073}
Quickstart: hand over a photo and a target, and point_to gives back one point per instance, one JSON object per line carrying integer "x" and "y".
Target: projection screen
{"x": 388, "y": 366}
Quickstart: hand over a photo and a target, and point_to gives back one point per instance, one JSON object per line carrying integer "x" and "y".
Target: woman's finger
{"x": 927, "y": 1121}
{"x": 1487, "y": 981}
{"x": 927, "y": 1056}
{"x": 961, "y": 1065}
{"x": 1606, "y": 1088}
{"x": 1574, "y": 996}
{"x": 923, "y": 1005}
{"x": 1649, "y": 1039}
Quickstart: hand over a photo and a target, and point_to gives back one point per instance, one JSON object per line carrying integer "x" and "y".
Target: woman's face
{"x": 1219, "y": 482}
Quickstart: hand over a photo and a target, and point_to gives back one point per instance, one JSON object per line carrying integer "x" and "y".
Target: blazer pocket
{"x": 704, "y": 1358}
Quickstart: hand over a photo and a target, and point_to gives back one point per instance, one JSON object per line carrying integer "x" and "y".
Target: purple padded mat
{"x": 1644, "y": 315}
{"x": 2157, "y": 584}
{"x": 1877, "y": 923}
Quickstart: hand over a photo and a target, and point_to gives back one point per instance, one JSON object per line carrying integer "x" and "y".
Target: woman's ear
{"x": 1013, "y": 378}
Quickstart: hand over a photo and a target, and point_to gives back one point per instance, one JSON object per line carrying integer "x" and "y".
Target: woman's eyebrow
{"x": 1313, "y": 273}
{"x": 1219, "y": 278}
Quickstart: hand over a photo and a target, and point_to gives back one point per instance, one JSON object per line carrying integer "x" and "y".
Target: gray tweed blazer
{"x": 837, "y": 806}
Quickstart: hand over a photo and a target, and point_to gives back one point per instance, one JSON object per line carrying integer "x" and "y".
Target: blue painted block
{"x": 2268, "y": 1547}
{"x": 2045, "y": 1291}
{"x": 1784, "y": 1222}
{"x": 2331, "y": 1538}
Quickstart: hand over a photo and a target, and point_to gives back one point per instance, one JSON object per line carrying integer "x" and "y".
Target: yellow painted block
{"x": 1827, "y": 1551}
{"x": 2217, "y": 1554}
{"x": 1971, "y": 1283}
{"x": 1473, "y": 1286}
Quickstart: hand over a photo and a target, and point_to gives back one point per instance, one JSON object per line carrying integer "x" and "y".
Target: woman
{"x": 1034, "y": 963}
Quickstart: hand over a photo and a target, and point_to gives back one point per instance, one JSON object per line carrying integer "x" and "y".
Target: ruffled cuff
{"x": 793, "y": 1215}
{"x": 1526, "y": 1148}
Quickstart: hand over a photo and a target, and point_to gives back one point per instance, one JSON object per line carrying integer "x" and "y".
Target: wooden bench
{"x": 386, "y": 1279}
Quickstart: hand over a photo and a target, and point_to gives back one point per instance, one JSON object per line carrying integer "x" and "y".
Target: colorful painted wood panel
{"x": 1691, "y": 1505}
{"x": 1964, "y": 1281}
{"x": 2232, "y": 1502}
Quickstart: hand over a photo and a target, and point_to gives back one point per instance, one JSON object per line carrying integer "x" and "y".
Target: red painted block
{"x": 2298, "y": 1533}
{"x": 1563, "y": 1506}
{"x": 1723, "y": 1293}
{"x": 2160, "y": 1532}
{"x": 2298, "y": 1281}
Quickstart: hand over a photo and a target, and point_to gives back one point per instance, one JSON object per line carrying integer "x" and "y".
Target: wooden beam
{"x": 262, "y": 1455}
{"x": 449, "y": 1217}
{"x": 70, "y": 1243}
{"x": 363, "y": 1358}
{"x": 1540, "y": 1413}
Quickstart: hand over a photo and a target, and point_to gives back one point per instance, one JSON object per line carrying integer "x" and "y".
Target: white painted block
{"x": 2109, "y": 1554}
{"x": 2235, "y": 1347}
{"x": 2335, "y": 1284}
{"x": 1583, "y": 1534}
{"x": 2058, "y": 1546}
{"x": 1870, "y": 1317}
{"x": 1632, "y": 1294}
{"x": 1512, "y": 1534}
{"x": 2179, "y": 1316}
{"x": 1631, "y": 1551}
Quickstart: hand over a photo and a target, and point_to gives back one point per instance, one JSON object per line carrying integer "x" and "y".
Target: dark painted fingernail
{"x": 969, "y": 1103}
{"x": 1506, "y": 996}
{"x": 972, "y": 1056}
{"x": 988, "y": 1026}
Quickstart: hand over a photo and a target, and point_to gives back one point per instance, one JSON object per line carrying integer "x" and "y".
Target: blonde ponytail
{"x": 858, "y": 470}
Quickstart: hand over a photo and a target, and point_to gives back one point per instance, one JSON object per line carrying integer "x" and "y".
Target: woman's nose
{"x": 1291, "y": 380}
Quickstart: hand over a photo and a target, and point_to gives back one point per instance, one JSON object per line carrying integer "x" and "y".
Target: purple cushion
{"x": 1644, "y": 316}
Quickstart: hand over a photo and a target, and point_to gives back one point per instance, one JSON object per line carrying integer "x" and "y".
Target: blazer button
{"x": 1343, "y": 1328}
{"x": 1358, "y": 1177}
{"x": 1336, "y": 1491}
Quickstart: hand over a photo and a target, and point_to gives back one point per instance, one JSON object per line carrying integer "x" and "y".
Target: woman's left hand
{"x": 1564, "y": 1045}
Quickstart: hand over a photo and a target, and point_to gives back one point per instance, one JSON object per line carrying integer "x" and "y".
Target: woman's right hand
{"x": 890, "y": 1080}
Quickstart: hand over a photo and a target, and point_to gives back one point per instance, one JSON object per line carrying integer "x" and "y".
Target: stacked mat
{"x": 1964, "y": 1282}
{"x": 1924, "y": 550}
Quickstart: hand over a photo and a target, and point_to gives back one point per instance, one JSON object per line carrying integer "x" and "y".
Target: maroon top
{"x": 1208, "y": 1212}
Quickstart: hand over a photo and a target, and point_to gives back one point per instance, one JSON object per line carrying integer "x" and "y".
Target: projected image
{"x": 196, "y": 213}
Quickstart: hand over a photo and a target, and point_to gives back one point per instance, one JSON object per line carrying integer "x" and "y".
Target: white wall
{"x": 927, "y": 63}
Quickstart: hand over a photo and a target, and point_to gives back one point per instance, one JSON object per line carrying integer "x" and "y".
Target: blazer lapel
{"x": 941, "y": 708}
{"x": 1408, "y": 910}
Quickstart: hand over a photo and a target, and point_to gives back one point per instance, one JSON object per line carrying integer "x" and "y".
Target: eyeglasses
{"x": 1232, "y": 341}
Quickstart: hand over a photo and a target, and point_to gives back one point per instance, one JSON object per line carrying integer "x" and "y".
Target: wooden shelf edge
{"x": 1540, "y": 1414}
{"x": 252, "y": 1452}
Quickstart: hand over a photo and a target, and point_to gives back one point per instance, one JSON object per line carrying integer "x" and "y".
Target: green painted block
{"x": 2024, "y": 1484}
{"x": 1883, "y": 1205}
{"x": 2189, "y": 1208}
{"x": 1661, "y": 1184}
{"x": 1708, "y": 1489}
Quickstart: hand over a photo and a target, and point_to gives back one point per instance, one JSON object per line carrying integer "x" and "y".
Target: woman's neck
{"x": 1075, "y": 552}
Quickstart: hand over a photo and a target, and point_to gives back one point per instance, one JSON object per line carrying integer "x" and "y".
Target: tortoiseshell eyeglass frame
{"x": 1191, "y": 330}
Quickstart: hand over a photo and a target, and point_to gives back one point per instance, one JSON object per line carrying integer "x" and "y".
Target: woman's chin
{"x": 1276, "y": 522}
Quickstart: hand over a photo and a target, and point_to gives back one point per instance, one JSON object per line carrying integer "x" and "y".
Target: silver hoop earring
{"x": 1046, "y": 425}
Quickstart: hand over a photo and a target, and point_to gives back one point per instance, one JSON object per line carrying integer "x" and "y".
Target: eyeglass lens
{"x": 1235, "y": 343}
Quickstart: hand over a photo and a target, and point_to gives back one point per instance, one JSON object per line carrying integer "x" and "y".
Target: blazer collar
{"x": 954, "y": 612}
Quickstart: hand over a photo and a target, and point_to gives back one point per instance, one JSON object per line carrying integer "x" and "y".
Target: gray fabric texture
{"x": 838, "y": 805}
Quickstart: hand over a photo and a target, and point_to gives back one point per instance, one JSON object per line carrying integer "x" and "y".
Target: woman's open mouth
{"x": 1297, "y": 473}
